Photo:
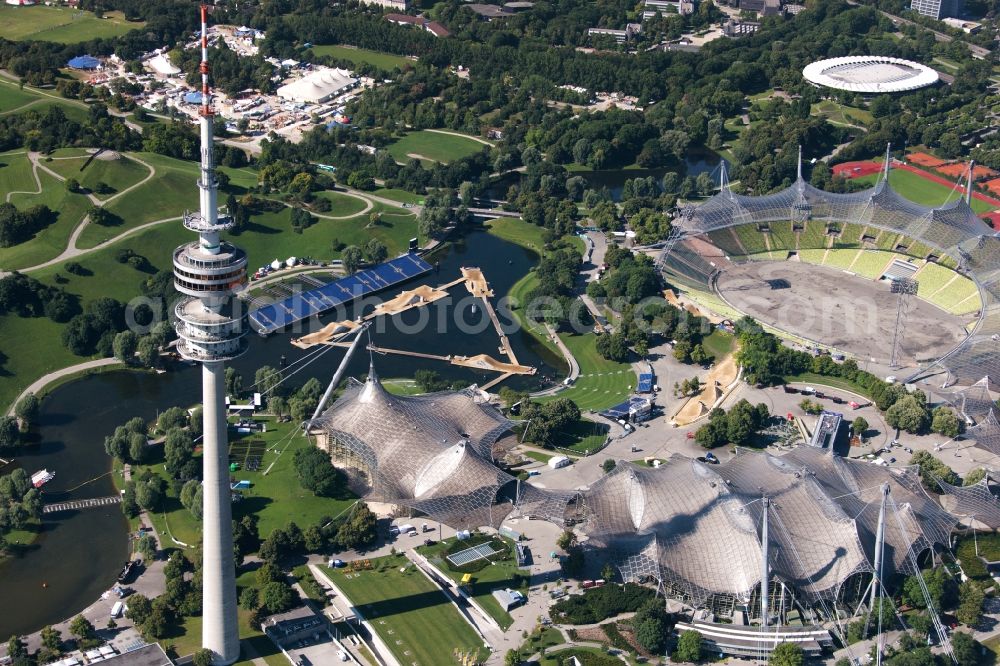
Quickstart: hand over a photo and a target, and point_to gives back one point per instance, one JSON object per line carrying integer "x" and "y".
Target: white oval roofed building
{"x": 870, "y": 74}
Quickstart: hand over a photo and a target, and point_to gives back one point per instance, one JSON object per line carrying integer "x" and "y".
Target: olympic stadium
{"x": 867, "y": 240}
{"x": 869, "y": 74}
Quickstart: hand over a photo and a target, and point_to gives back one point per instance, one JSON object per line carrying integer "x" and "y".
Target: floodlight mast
{"x": 765, "y": 569}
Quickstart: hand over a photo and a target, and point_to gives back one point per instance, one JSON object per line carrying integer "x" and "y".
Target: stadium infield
{"x": 843, "y": 311}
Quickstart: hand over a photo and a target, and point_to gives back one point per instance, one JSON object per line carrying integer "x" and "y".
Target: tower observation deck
{"x": 211, "y": 330}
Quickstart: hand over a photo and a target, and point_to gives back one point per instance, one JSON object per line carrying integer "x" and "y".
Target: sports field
{"x": 926, "y": 192}
{"x": 602, "y": 383}
{"x": 413, "y": 617}
{"x": 848, "y": 313}
{"x": 433, "y": 147}
{"x": 60, "y": 24}
{"x": 381, "y": 60}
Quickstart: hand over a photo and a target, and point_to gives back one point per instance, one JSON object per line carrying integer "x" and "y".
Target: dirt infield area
{"x": 849, "y": 313}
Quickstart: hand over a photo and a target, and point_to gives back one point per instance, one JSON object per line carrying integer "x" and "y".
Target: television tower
{"x": 210, "y": 325}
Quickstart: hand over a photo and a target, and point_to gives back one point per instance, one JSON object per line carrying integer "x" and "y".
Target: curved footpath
{"x": 45, "y": 380}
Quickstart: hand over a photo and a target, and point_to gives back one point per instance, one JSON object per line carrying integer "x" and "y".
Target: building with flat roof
{"x": 432, "y": 27}
{"x": 620, "y": 36}
{"x": 828, "y": 431}
{"x": 938, "y": 9}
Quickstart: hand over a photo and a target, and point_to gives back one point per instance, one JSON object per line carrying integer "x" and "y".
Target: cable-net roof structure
{"x": 431, "y": 452}
{"x": 977, "y": 502}
{"x": 697, "y": 528}
{"x": 973, "y": 402}
{"x": 986, "y": 433}
{"x": 952, "y": 230}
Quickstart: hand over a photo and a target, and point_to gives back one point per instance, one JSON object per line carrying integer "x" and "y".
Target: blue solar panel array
{"x": 270, "y": 318}
{"x": 645, "y": 383}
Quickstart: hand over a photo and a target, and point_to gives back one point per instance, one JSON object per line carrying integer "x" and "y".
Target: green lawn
{"x": 15, "y": 172}
{"x": 119, "y": 174}
{"x": 812, "y": 378}
{"x": 841, "y": 114}
{"x": 413, "y": 617}
{"x": 516, "y": 230}
{"x": 433, "y": 147}
{"x": 587, "y": 656}
{"x": 381, "y": 60}
{"x": 276, "y": 498}
{"x": 402, "y": 196}
{"x": 583, "y": 436}
{"x": 186, "y": 639}
{"x": 539, "y": 456}
{"x": 12, "y": 98}
{"x": 925, "y": 192}
{"x": 342, "y": 204}
{"x": 497, "y": 576}
{"x": 60, "y": 24}
{"x": 169, "y": 194}
{"x": 719, "y": 343}
{"x": 50, "y": 241}
{"x": 602, "y": 383}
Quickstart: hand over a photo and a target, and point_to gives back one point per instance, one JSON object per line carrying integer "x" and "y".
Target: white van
{"x": 116, "y": 610}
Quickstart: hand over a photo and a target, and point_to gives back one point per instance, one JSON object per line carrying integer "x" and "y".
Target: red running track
{"x": 867, "y": 168}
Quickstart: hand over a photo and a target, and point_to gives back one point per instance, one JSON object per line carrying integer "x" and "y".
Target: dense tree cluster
{"x": 18, "y": 226}
{"x": 738, "y": 426}
{"x": 548, "y": 421}
{"x": 931, "y": 469}
{"x": 20, "y": 503}
{"x": 317, "y": 473}
{"x": 27, "y": 297}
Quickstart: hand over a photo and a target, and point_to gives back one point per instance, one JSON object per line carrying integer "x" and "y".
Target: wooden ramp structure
{"x": 475, "y": 282}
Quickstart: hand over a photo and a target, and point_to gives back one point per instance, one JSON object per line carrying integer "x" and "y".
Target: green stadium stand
{"x": 931, "y": 278}
{"x": 841, "y": 258}
{"x": 726, "y": 240}
{"x": 782, "y": 236}
{"x": 850, "y": 236}
{"x": 812, "y": 256}
{"x": 814, "y": 235}
{"x": 751, "y": 239}
{"x": 888, "y": 240}
{"x": 871, "y": 264}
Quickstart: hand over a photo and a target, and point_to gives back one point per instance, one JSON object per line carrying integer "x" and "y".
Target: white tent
{"x": 161, "y": 65}
{"x": 317, "y": 87}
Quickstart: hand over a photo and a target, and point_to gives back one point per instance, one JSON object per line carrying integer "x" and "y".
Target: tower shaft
{"x": 210, "y": 329}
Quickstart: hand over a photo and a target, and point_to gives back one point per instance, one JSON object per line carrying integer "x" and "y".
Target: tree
{"x": 52, "y": 639}
{"x": 125, "y": 346}
{"x": 859, "y": 426}
{"x": 278, "y": 597}
{"x": 81, "y": 628}
{"x": 931, "y": 467}
{"x": 973, "y": 477}
{"x": 316, "y": 472}
{"x": 566, "y": 540}
{"x": 970, "y": 603}
{"x": 688, "y": 647}
{"x": 139, "y": 608}
{"x": 608, "y": 465}
{"x": 249, "y": 599}
{"x": 908, "y": 414}
{"x": 698, "y": 355}
{"x": 147, "y": 351}
{"x": 178, "y": 449}
{"x": 146, "y": 546}
{"x": 203, "y": 657}
{"x": 72, "y": 185}
{"x": 10, "y": 435}
{"x": 787, "y": 654}
{"x": 192, "y": 497}
{"x": 967, "y": 649}
{"x": 511, "y": 658}
{"x": 352, "y": 256}
{"x": 234, "y": 382}
{"x": 27, "y": 409}
{"x": 375, "y": 251}
{"x": 945, "y": 422}
{"x": 682, "y": 351}
{"x": 17, "y": 648}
